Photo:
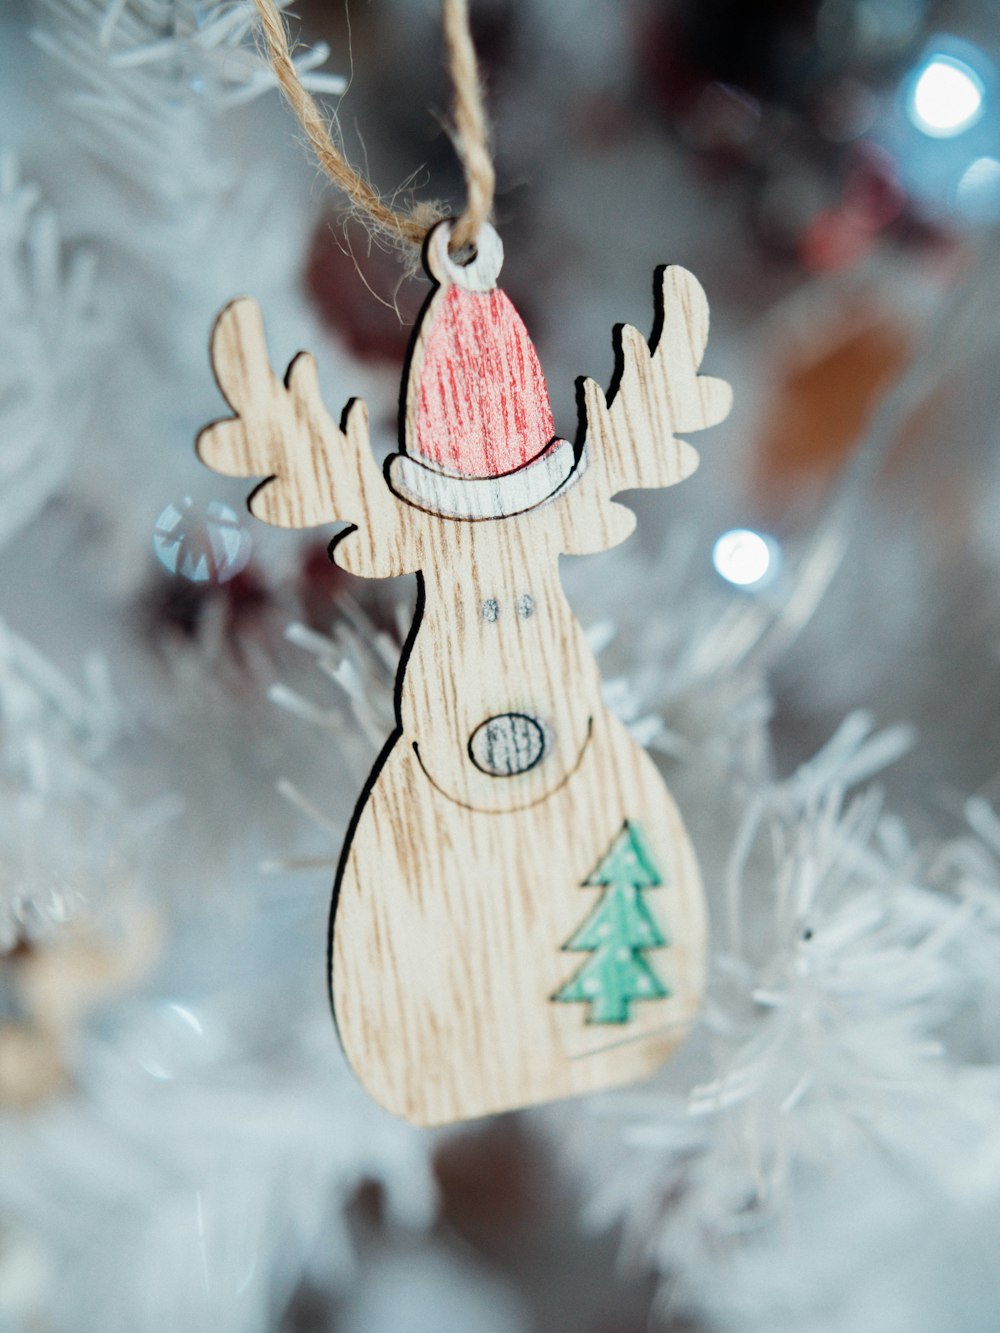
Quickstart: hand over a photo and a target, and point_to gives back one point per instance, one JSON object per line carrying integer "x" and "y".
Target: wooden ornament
{"x": 54, "y": 985}
{"x": 517, "y": 914}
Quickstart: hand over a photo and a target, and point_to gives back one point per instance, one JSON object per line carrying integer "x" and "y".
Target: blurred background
{"x": 809, "y": 646}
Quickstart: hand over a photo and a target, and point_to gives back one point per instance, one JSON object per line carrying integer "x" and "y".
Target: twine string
{"x": 471, "y": 130}
{"x": 405, "y": 228}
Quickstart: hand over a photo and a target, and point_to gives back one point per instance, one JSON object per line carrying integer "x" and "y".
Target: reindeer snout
{"x": 507, "y": 744}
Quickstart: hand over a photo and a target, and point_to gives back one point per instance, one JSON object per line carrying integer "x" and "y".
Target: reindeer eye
{"x": 490, "y": 610}
{"x": 525, "y": 605}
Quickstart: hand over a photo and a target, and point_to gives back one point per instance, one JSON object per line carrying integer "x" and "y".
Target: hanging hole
{"x": 464, "y": 255}
{"x": 474, "y": 267}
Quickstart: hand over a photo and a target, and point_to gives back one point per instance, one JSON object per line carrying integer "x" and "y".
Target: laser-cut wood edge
{"x": 282, "y": 432}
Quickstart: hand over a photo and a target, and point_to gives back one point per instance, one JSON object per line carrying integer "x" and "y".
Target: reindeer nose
{"x": 507, "y": 744}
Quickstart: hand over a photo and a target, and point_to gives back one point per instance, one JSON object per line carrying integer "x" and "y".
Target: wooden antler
{"x": 631, "y": 440}
{"x": 316, "y": 472}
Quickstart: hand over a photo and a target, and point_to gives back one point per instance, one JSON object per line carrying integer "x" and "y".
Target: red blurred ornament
{"x": 871, "y": 199}
{"x": 344, "y": 271}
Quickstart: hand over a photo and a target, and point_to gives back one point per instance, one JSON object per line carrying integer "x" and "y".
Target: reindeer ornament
{"x": 517, "y": 914}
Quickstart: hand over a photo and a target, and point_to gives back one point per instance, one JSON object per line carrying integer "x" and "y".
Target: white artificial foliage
{"x": 208, "y": 1160}
{"x": 157, "y": 94}
{"x": 151, "y": 85}
{"x": 49, "y": 332}
{"x": 837, "y": 966}
{"x": 215, "y": 1138}
{"x": 427, "y": 1290}
{"x": 361, "y": 661}
{"x": 968, "y": 867}
{"x": 685, "y": 681}
{"x": 191, "y": 190}
{"x": 65, "y": 829}
{"x": 209, "y": 744}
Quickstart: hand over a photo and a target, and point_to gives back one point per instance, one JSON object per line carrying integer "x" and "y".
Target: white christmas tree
{"x": 49, "y": 338}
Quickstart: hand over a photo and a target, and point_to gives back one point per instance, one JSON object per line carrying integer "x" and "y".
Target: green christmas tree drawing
{"x": 617, "y": 932}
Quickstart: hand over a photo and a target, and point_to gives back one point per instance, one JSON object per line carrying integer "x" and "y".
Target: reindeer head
{"x": 500, "y": 691}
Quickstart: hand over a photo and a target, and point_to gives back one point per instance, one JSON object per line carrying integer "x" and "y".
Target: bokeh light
{"x": 947, "y": 97}
{"x": 203, "y": 544}
{"x": 977, "y": 195}
{"x": 746, "y": 558}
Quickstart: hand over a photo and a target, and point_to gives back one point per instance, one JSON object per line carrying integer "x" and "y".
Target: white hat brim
{"x": 483, "y": 497}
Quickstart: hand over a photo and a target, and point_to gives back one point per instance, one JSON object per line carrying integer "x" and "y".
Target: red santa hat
{"x": 478, "y": 435}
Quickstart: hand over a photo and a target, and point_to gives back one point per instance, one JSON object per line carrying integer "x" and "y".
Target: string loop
{"x": 406, "y": 229}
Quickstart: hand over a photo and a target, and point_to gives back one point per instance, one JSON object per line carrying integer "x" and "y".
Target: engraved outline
{"x": 511, "y": 809}
{"x": 539, "y": 726}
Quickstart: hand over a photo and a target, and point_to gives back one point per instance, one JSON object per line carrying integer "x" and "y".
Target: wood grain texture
{"x": 477, "y": 404}
{"x": 315, "y": 471}
{"x": 506, "y": 780}
{"x": 447, "y": 949}
{"x": 631, "y": 440}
